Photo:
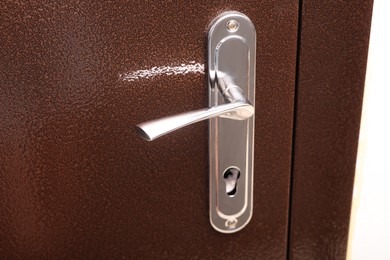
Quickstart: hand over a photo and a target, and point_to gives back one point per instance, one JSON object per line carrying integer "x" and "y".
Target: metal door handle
{"x": 155, "y": 128}
{"x": 231, "y": 72}
{"x": 237, "y": 108}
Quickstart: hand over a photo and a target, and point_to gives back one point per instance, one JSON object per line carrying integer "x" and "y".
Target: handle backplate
{"x": 231, "y": 51}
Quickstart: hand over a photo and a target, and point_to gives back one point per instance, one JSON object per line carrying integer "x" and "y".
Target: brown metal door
{"x": 333, "y": 43}
{"x": 76, "y": 181}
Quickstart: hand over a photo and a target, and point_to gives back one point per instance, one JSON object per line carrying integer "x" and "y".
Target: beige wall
{"x": 370, "y": 221}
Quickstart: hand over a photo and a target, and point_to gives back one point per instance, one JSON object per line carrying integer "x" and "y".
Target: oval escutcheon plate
{"x": 231, "y": 51}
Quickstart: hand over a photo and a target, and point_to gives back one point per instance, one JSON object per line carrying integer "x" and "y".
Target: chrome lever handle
{"x": 153, "y": 129}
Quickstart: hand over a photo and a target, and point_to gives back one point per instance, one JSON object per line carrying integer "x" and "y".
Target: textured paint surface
{"x": 75, "y": 180}
{"x": 333, "y": 54}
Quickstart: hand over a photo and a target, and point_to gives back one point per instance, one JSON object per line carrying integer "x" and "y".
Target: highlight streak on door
{"x": 190, "y": 67}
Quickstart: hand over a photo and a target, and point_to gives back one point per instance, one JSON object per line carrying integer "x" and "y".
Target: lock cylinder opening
{"x": 231, "y": 176}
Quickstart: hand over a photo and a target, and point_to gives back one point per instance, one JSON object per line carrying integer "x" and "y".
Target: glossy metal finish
{"x": 232, "y": 51}
{"x": 232, "y": 57}
{"x": 237, "y": 108}
{"x": 153, "y": 129}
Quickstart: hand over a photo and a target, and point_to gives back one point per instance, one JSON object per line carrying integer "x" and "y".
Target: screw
{"x": 232, "y": 25}
{"x": 231, "y": 223}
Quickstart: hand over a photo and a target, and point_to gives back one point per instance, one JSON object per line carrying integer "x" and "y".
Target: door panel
{"x": 332, "y": 63}
{"x": 75, "y": 179}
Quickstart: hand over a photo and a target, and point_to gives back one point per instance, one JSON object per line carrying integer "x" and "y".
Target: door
{"x": 77, "y": 182}
{"x": 333, "y": 46}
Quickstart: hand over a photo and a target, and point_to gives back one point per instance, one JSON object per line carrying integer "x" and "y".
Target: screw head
{"x": 232, "y": 25}
{"x": 231, "y": 223}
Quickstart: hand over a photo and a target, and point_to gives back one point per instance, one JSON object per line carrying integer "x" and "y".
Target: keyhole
{"x": 231, "y": 176}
